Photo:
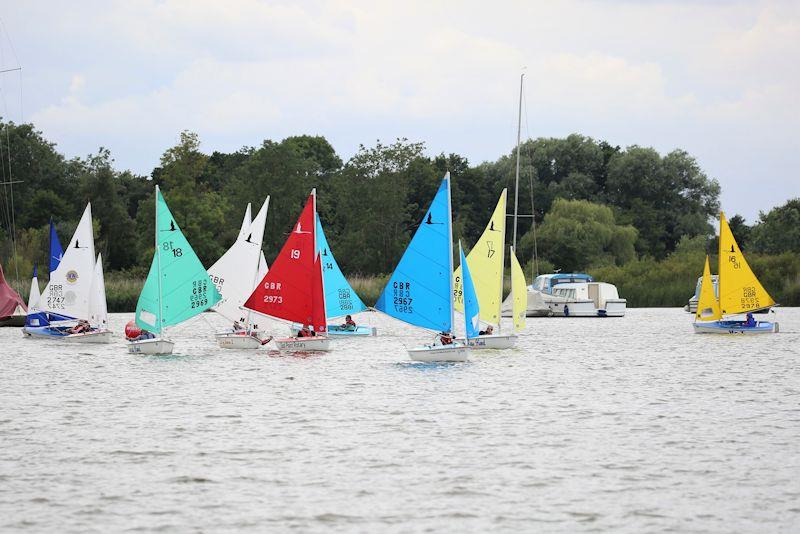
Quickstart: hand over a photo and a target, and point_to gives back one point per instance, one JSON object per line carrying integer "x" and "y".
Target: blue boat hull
{"x": 45, "y": 331}
{"x": 337, "y": 330}
{"x": 735, "y": 327}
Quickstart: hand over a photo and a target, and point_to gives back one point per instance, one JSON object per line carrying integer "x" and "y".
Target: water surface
{"x": 631, "y": 425}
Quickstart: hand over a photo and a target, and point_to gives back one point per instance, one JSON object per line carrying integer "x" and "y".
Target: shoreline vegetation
{"x": 628, "y": 216}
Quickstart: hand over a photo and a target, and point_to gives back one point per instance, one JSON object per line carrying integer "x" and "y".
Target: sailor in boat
{"x": 446, "y": 338}
{"x": 82, "y": 327}
{"x": 134, "y": 333}
{"x": 488, "y": 332}
{"x": 750, "y": 322}
{"x": 306, "y": 331}
{"x": 239, "y": 329}
{"x": 349, "y": 324}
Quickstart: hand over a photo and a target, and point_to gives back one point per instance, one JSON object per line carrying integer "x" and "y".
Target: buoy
{"x": 132, "y": 331}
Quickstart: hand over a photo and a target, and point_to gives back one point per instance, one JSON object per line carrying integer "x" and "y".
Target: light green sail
{"x": 177, "y": 286}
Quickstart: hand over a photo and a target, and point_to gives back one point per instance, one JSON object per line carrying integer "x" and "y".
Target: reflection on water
{"x": 630, "y": 425}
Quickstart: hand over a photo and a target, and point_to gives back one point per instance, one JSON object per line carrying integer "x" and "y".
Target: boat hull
{"x": 494, "y": 341}
{"x": 102, "y": 336}
{"x": 151, "y": 346}
{"x": 337, "y": 330}
{"x": 304, "y": 344}
{"x": 735, "y": 327}
{"x": 231, "y": 340}
{"x": 586, "y": 308}
{"x": 439, "y": 353}
{"x": 43, "y": 332}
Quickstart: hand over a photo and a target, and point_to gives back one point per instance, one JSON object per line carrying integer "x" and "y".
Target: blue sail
{"x": 472, "y": 310}
{"x": 56, "y": 252}
{"x": 420, "y": 289}
{"x": 340, "y": 299}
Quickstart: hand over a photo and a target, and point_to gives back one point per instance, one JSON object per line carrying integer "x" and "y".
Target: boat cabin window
{"x": 564, "y": 292}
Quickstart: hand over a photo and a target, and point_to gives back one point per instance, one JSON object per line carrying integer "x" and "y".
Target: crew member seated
{"x": 237, "y": 327}
{"x": 751, "y": 321}
{"x": 81, "y": 328}
{"x": 349, "y": 323}
{"x": 488, "y": 332}
{"x": 306, "y": 331}
{"x": 446, "y": 338}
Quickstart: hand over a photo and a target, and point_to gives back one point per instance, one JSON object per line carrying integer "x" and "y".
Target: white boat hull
{"x": 586, "y": 308}
{"x": 151, "y": 346}
{"x": 439, "y": 353}
{"x": 494, "y": 341}
{"x": 235, "y": 341}
{"x": 102, "y": 336}
{"x": 735, "y": 327}
{"x": 304, "y": 344}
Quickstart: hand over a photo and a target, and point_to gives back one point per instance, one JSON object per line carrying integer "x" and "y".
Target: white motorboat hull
{"x": 586, "y": 308}
{"x": 535, "y": 307}
{"x": 735, "y": 327}
{"x": 231, "y": 340}
{"x": 494, "y": 341}
{"x": 440, "y": 353}
{"x": 151, "y": 346}
{"x": 102, "y": 336}
{"x": 304, "y": 344}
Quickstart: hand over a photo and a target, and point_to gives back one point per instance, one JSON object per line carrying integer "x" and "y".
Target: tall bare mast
{"x": 519, "y": 134}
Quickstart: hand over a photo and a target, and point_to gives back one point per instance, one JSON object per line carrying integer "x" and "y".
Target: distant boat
{"x": 578, "y": 295}
{"x": 739, "y": 292}
{"x": 236, "y": 275}
{"x": 71, "y": 295}
{"x": 340, "y": 298}
{"x": 691, "y": 306}
{"x": 292, "y": 290}
{"x": 486, "y": 262}
{"x": 12, "y": 308}
{"x": 420, "y": 291}
{"x": 177, "y": 287}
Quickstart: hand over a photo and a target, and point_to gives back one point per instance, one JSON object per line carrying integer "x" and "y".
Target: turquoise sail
{"x": 471, "y": 307}
{"x": 340, "y": 299}
{"x": 420, "y": 289}
{"x": 177, "y": 287}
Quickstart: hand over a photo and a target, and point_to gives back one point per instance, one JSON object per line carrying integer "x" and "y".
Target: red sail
{"x": 9, "y": 299}
{"x": 287, "y": 291}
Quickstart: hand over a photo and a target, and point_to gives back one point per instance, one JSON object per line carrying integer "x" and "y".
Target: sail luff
{"x": 707, "y": 304}
{"x": 450, "y": 252}
{"x": 519, "y": 293}
{"x": 158, "y": 268}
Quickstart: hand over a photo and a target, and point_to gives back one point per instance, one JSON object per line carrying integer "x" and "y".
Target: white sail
{"x": 67, "y": 292}
{"x": 246, "y": 222}
{"x": 263, "y": 268}
{"x": 35, "y": 295}
{"x": 235, "y": 274}
{"x": 98, "y": 310}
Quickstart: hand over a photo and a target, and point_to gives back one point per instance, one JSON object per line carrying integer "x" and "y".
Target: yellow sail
{"x": 519, "y": 293}
{"x": 739, "y": 289}
{"x": 707, "y": 305}
{"x": 485, "y": 262}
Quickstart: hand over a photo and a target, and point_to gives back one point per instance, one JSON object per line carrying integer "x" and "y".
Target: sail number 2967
{"x": 176, "y": 251}
{"x": 402, "y": 297}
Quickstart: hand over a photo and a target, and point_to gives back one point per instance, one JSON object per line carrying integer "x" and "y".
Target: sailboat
{"x": 486, "y": 262}
{"x": 177, "y": 287}
{"x": 66, "y": 298}
{"x": 340, "y": 298}
{"x": 98, "y": 310}
{"x": 740, "y": 292}
{"x": 12, "y": 308}
{"x": 420, "y": 291}
{"x": 293, "y": 288}
{"x": 235, "y": 276}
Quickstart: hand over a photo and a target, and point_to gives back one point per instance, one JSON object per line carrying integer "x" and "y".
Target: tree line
{"x": 594, "y": 204}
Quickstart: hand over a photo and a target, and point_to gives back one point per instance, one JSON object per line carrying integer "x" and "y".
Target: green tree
{"x": 577, "y": 234}
{"x": 778, "y": 230}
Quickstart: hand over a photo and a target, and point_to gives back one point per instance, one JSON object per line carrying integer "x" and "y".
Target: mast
{"x": 450, "y": 255}
{"x": 321, "y": 270}
{"x": 258, "y": 267}
{"x": 519, "y": 135}
{"x": 158, "y": 268}
{"x": 502, "y": 265}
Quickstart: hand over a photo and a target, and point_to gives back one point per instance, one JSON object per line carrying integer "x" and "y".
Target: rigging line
{"x": 13, "y": 227}
{"x": 530, "y": 181}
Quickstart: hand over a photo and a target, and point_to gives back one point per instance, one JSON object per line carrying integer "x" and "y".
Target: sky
{"x": 719, "y": 79}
